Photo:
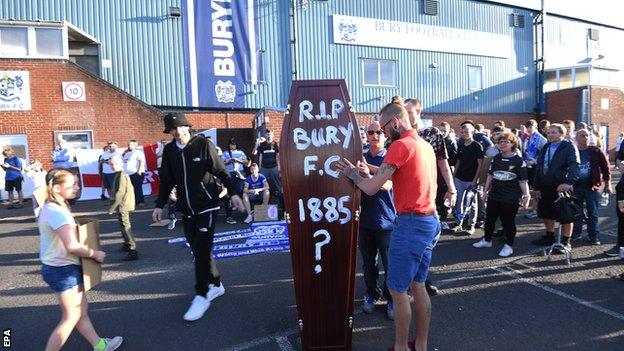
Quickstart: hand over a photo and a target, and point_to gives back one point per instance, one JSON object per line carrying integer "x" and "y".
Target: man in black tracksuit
{"x": 192, "y": 165}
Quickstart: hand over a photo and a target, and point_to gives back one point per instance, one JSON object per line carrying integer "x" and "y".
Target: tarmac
{"x": 523, "y": 302}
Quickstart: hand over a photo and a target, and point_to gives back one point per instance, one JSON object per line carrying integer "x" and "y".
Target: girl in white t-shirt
{"x": 60, "y": 254}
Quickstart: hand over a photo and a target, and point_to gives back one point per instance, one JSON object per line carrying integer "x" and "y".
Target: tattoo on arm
{"x": 354, "y": 175}
{"x": 386, "y": 170}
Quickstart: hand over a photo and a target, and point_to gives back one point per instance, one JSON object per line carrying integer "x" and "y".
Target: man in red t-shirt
{"x": 411, "y": 165}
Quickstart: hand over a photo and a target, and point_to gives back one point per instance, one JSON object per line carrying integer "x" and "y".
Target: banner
{"x": 221, "y": 51}
{"x": 14, "y": 91}
{"x": 87, "y": 160}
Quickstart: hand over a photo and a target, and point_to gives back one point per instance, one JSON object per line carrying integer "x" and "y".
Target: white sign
{"x": 74, "y": 91}
{"x": 405, "y": 35}
{"x": 14, "y": 91}
{"x": 604, "y": 103}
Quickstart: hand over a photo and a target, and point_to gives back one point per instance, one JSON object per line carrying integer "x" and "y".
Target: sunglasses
{"x": 385, "y": 124}
{"x": 373, "y": 132}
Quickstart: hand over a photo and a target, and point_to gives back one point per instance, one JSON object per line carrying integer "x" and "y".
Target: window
{"x": 33, "y": 42}
{"x": 49, "y": 41}
{"x": 475, "y": 78}
{"x": 431, "y": 7}
{"x": 13, "y": 41}
{"x": 78, "y": 139}
{"x": 379, "y": 72}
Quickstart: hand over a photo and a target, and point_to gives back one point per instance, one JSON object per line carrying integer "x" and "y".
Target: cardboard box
{"x": 89, "y": 235}
{"x": 264, "y": 213}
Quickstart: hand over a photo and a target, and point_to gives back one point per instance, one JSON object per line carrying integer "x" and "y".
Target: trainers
{"x": 124, "y": 248}
{"x": 432, "y": 290}
{"x": 479, "y": 224}
{"x": 390, "y": 310}
{"x": 506, "y": 251}
{"x": 613, "y": 252}
{"x": 112, "y": 344}
{"x": 103, "y": 197}
{"x": 215, "y": 291}
{"x": 531, "y": 214}
{"x": 593, "y": 241}
{"x": 566, "y": 247}
{"x": 198, "y": 307}
{"x": 172, "y": 223}
{"x": 369, "y": 304}
{"x": 230, "y": 220}
{"x": 544, "y": 240}
{"x": 132, "y": 255}
{"x": 249, "y": 218}
{"x": 468, "y": 232}
{"x": 482, "y": 243}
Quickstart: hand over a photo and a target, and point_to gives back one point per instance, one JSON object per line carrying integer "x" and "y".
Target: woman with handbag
{"x": 507, "y": 181}
{"x": 61, "y": 270}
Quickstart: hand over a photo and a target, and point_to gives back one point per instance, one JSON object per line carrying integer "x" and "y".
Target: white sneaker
{"x": 198, "y": 307}
{"x": 249, "y": 218}
{"x": 482, "y": 243}
{"x": 505, "y": 251}
{"x": 113, "y": 344}
{"x": 215, "y": 291}
{"x": 172, "y": 224}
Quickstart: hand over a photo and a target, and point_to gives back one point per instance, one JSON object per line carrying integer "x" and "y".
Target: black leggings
{"x": 507, "y": 214}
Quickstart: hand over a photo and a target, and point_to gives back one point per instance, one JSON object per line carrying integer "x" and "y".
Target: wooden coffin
{"x": 322, "y": 209}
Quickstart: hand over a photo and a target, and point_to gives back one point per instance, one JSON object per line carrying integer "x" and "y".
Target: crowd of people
{"x": 479, "y": 176}
{"x": 417, "y": 182}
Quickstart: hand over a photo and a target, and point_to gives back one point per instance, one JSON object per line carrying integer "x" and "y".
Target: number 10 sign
{"x": 74, "y": 91}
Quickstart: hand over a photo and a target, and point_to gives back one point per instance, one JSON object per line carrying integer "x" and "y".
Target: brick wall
{"x": 108, "y": 112}
{"x": 563, "y": 104}
{"x": 613, "y": 116}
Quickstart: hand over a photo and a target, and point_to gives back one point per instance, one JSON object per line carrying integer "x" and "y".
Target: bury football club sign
{"x": 14, "y": 91}
{"x": 221, "y": 51}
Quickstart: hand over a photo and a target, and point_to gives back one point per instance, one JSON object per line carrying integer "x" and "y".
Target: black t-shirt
{"x": 269, "y": 153}
{"x": 468, "y": 164}
{"x": 507, "y": 172}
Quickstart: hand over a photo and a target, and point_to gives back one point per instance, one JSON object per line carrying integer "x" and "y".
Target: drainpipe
{"x": 294, "y": 39}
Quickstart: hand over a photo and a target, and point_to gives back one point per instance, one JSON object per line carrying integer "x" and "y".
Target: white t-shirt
{"x": 131, "y": 161}
{"x": 52, "y": 251}
{"x": 106, "y": 168}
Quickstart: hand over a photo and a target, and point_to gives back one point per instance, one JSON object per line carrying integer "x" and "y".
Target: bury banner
{"x": 221, "y": 51}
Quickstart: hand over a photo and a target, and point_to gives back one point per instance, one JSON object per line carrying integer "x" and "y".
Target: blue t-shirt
{"x": 12, "y": 174}
{"x": 234, "y": 166}
{"x": 584, "y": 168}
{"x": 378, "y": 212}
{"x": 255, "y": 184}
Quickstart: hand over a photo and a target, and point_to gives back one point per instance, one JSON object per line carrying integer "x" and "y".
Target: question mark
{"x": 319, "y": 245}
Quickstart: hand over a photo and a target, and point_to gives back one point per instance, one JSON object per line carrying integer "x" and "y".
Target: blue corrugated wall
{"x": 145, "y": 47}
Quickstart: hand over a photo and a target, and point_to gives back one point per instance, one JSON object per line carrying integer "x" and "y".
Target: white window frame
{"x": 470, "y": 88}
{"x": 32, "y": 43}
{"x": 378, "y": 61}
{"x": 89, "y": 133}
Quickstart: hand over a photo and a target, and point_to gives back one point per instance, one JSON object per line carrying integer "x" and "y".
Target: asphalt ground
{"x": 522, "y": 302}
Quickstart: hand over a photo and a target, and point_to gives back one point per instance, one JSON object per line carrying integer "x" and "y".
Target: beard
{"x": 394, "y": 135}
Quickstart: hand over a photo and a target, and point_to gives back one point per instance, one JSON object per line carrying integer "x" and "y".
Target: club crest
{"x": 225, "y": 91}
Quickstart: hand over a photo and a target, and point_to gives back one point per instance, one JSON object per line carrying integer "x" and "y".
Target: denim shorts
{"x": 411, "y": 246}
{"x": 62, "y": 278}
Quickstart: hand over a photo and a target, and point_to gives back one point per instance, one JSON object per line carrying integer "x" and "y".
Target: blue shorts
{"x": 411, "y": 246}
{"x": 255, "y": 198}
{"x": 107, "y": 180}
{"x": 62, "y": 278}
